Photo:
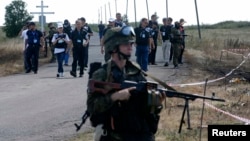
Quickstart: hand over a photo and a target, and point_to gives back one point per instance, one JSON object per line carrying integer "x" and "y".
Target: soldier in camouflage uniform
{"x": 52, "y": 31}
{"x": 176, "y": 43}
{"x": 122, "y": 115}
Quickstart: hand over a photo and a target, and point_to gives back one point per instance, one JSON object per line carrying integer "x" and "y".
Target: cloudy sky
{"x": 210, "y": 11}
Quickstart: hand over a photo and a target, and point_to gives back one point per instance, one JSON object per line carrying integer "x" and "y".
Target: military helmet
{"x": 116, "y": 36}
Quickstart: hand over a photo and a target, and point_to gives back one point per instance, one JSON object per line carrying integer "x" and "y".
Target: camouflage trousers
{"x": 176, "y": 53}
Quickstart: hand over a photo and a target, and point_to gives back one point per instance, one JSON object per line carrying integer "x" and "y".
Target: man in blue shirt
{"x": 34, "y": 42}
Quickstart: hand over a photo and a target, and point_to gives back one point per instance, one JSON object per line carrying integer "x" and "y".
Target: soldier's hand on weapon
{"x": 123, "y": 94}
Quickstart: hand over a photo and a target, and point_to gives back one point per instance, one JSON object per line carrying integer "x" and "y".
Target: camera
{"x": 61, "y": 36}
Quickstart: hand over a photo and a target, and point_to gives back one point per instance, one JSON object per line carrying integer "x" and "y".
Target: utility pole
{"x": 147, "y": 9}
{"x": 197, "y": 16}
{"x": 109, "y": 10}
{"x": 115, "y": 6}
{"x": 101, "y": 14}
{"x": 42, "y": 19}
{"x": 167, "y": 8}
{"x": 105, "y": 13}
{"x": 135, "y": 14}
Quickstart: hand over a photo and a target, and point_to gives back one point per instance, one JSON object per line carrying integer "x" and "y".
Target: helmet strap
{"x": 122, "y": 56}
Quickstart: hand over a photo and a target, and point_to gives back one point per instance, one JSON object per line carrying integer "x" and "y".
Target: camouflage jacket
{"x": 177, "y": 36}
{"x": 128, "y": 116}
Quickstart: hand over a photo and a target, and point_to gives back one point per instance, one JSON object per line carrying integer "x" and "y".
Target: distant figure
{"x": 165, "y": 30}
{"x": 86, "y": 28}
{"x": 24, "y": 36}
{"x": 34, "y": 42}
{"x": 143, "y": 42}
{"x": 52, "y": 31}
{"x": 177, "y": 43}
{"x": 118, "y": 21}
{"x": 60, "y": 41}
{"x": 67, "y": 29}
{"x": 182, "y": 30}
{"x": 80, "y": 41}
{"x": 111, "y": 24}
{"x": 101, "y": 27}
{"x": 153, "y": 20}
{"x": 154, "y": 34}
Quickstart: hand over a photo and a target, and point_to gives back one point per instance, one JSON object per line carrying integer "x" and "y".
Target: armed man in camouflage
{"x": 176, "y": 43}
{"x": 123, "y": 115}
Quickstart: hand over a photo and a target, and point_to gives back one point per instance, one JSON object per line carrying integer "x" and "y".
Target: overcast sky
{"x": 210, "y": 11}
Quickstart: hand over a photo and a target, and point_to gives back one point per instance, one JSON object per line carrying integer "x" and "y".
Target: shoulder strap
{"x": 108, "y": 78}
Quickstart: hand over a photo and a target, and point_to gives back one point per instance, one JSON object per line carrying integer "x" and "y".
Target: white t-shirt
{"x": 59, "y": 50}
{"x": 24, "y": 36}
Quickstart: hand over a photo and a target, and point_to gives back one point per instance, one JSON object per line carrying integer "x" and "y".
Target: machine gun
{"x": 95, "y": 86}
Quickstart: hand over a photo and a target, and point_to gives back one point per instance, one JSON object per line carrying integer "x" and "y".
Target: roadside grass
{"x": 11, "y": 57}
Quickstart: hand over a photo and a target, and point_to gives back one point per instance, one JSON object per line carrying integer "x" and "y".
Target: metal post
{"x": 147, "y": 8}
{"x": 197, "y": 16}
{"x": 105, "y": 13}
{"x": 167, "y": 8}
{"x": 98, "y": 15}
{"x": 115, "y": 6}
{"x": 42, "y": 26}
{"x": 109, "y": 10}
{"x": 135, "y": 13}
{"x": 101, "y": 14}
{"x": 127, "y": 9}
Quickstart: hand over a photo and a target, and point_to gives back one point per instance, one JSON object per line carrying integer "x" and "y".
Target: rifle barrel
{"x": 188, "y": 96}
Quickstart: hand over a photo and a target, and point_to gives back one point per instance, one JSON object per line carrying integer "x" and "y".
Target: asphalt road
{"x": 41, "y": 107}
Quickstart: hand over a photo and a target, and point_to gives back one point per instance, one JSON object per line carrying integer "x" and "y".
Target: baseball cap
{"x": 59, "y": 25}
{"x": 111, "y": 19}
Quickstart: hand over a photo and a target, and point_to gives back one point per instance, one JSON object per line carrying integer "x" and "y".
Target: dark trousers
{"x": 142, "y": 52}
{"x": 176, "y": 53}
{"x": 86, "y": 56}
{"x": 152, "y": 54}
{"x": 52, "y": 49}
{"x": 171, "y": 53}
{"x": 60, "y": 58}
{"x": 24, "y": 60}
{"x": 32, "y": 54}
{"x": 78, "y": 58}
{"x": 181, "y": 53}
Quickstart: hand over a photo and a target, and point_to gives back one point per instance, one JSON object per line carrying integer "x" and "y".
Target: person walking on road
{"x": 80, "y": 41}
{"x": 34, "y": 42}
{"x": 60, "y": 41}
{"x": 165, "y": 30}
{"x": 143, "y": 43}
{"x": 111, "y": 24}
{"x": 177, "y": 43}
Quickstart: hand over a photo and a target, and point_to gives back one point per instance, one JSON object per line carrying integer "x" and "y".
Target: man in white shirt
{"x": 24, "y": 37}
